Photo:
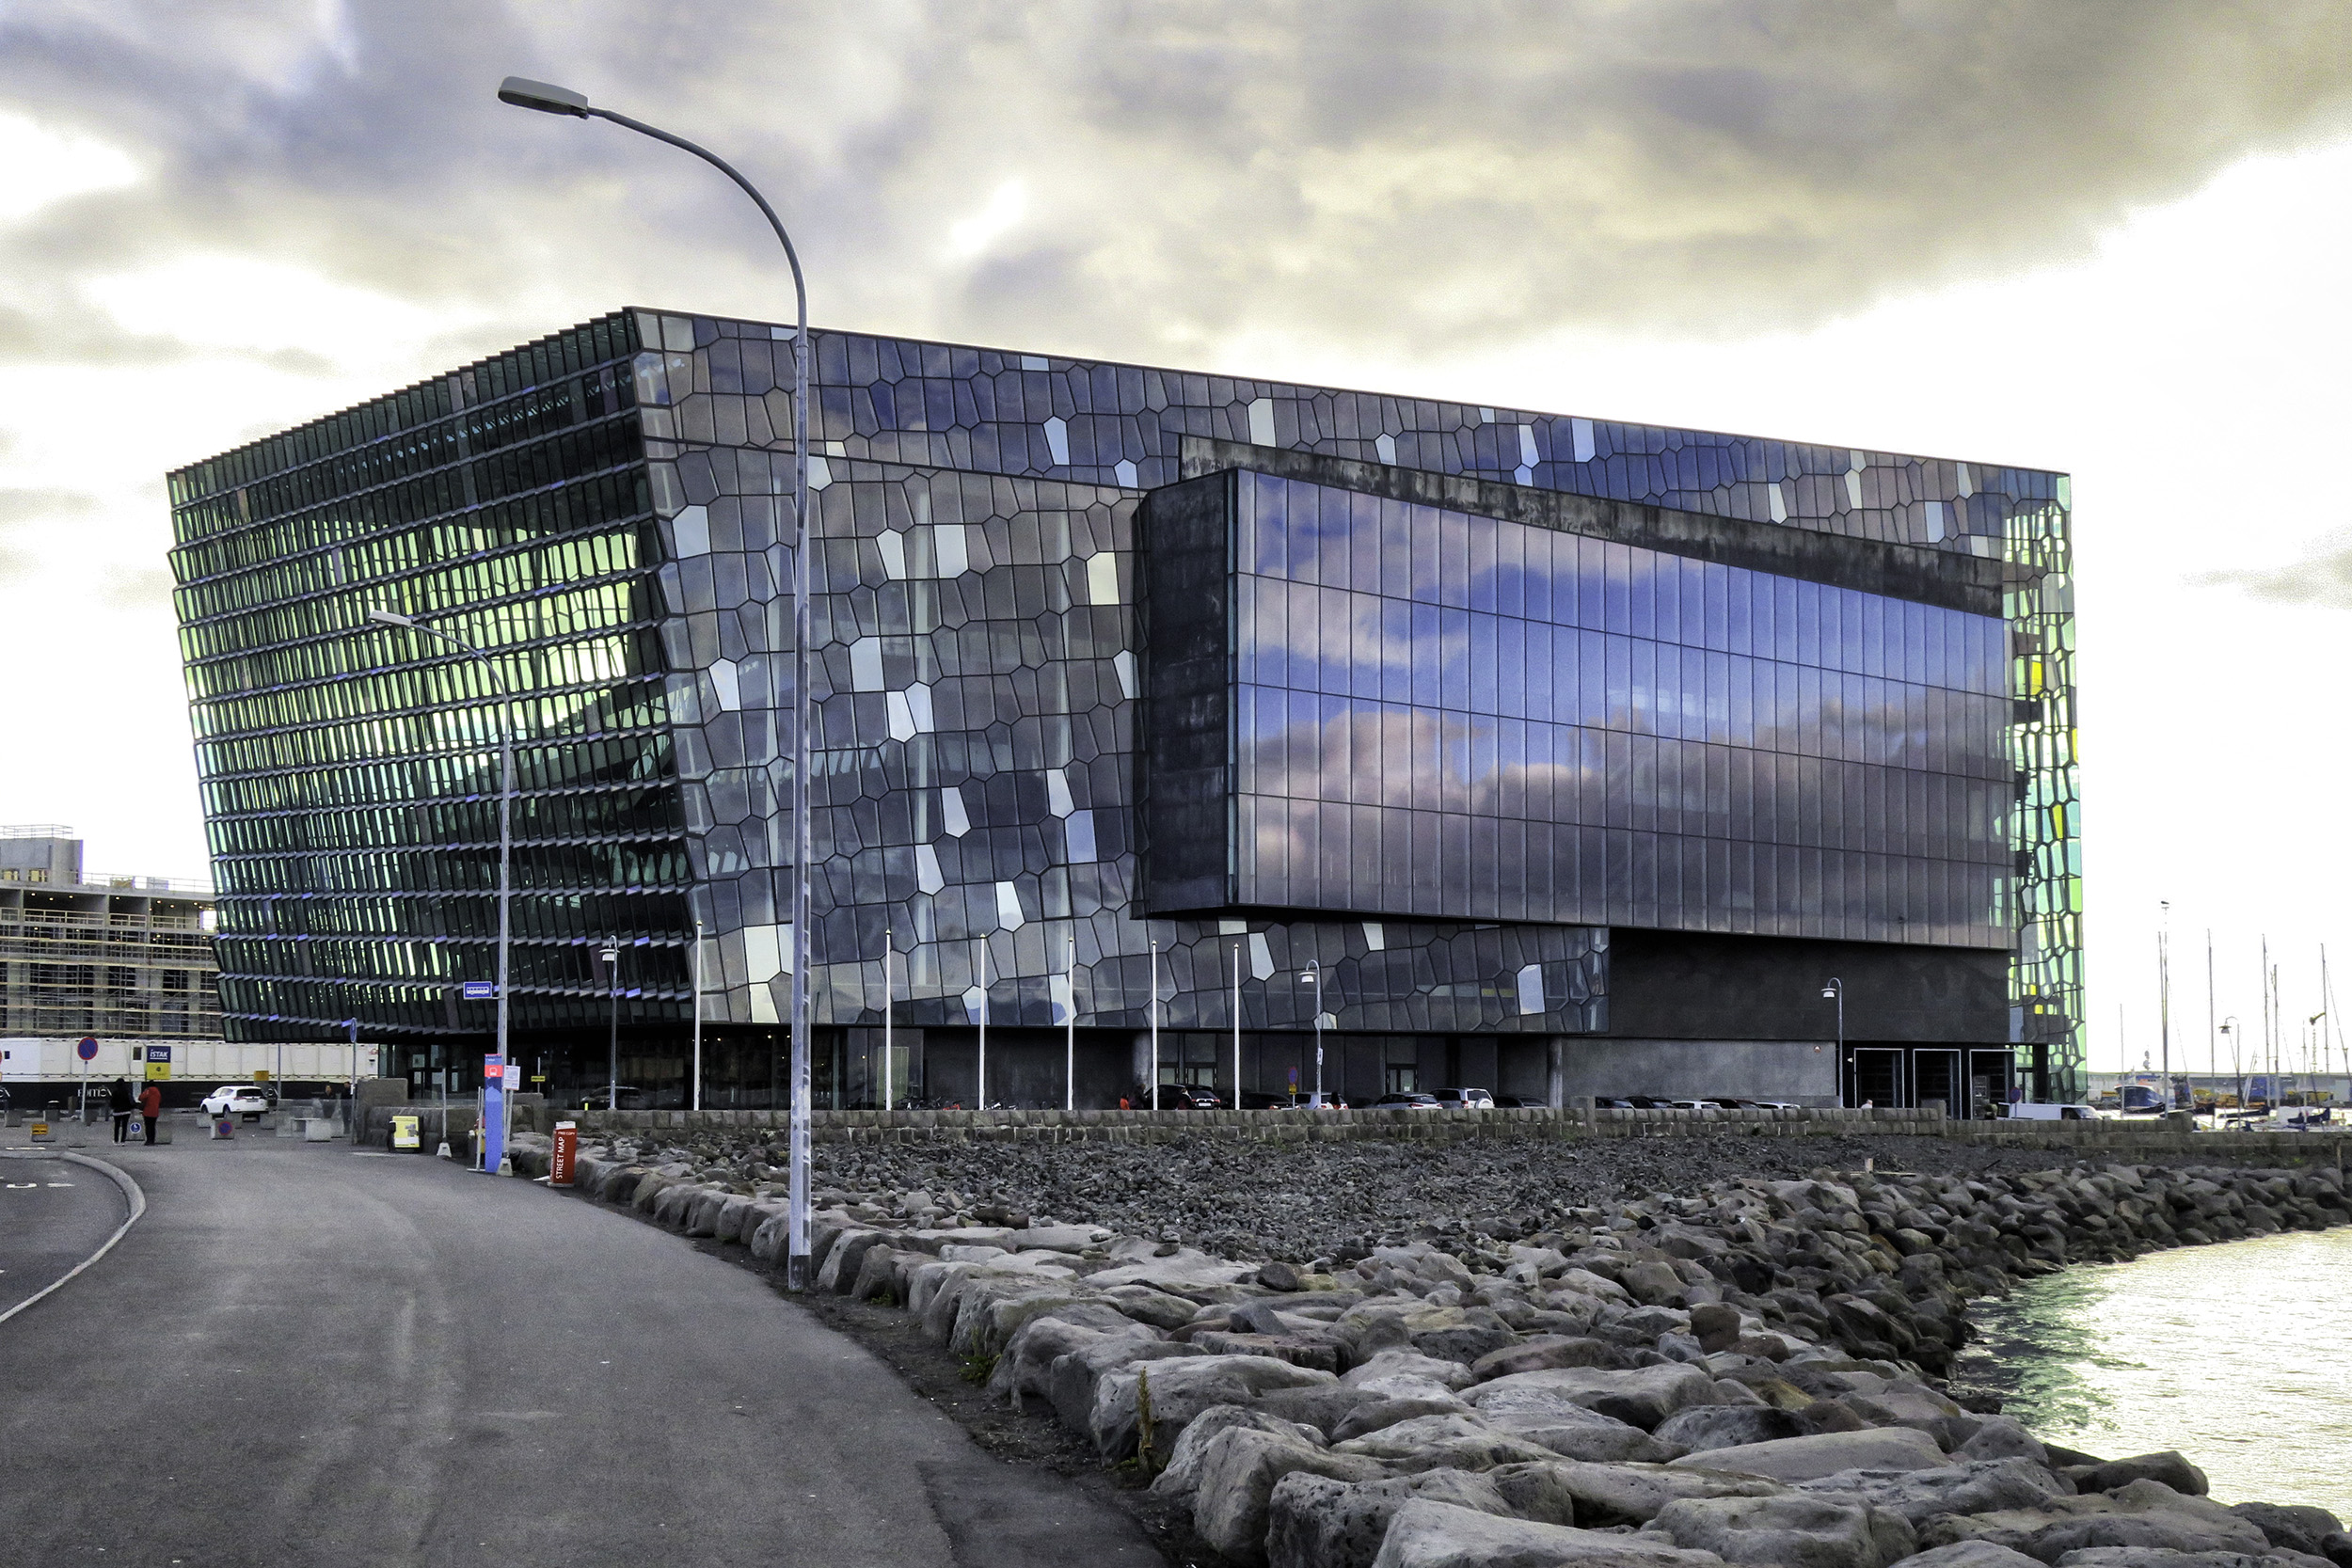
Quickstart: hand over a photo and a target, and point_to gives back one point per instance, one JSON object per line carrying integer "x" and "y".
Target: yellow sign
{"x": 405, "y": 1132}
{"x": 156, "y": 1071}
{"x": 260, "y": 1075}
{"x": 40, "y": 1130}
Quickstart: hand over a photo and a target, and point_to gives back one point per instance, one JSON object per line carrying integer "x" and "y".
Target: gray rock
{"x": 2296, "y": 1529}
{"x": 2159, "y": 1556}
{"x": 1977, "y": 1487}
{"x": 1425, "y": 1534}
{"x": 1616, "y": 1494}
{"x": 1181, "y": 1388}
{"x": 1077, "y": 1377}
{"x": 2167, "y": 1466}
{"x": 2143, "y": 1514}
{"x": 839, "y": 1271}
{"x": 1570, "y": 1429}
{"x": 1970, "y": 1554}
{"x": 1239, "y": 1467}
{"x": 729, "y": 1226}
{"x": 1727, "y": 1426}
{"x": 1314, "y": 1522}
{"x": 1794, "y": 1459}
{"x": 1024, "y": 1369}
{"x": 1541, "y": 1353}
{"x": 1462, "y": 1442}
{"x": 1375, "y": 1412}
{"x": 2002, "y": 1437}
{"x": 1406, "y": 1367}
{"x": 1791, "y": 1530}
{"x": 702, "y": 1214}
{"x": 1147, "y": 1306}
{"x": 1643, "y": 1396}
{"x": 1463, "y": 1342}
{"x": 1324, "y": 1406}
{"x": 1182, "y": 1478}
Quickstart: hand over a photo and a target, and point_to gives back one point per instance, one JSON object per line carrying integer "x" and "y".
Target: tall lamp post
{"x": 547, "y": 99}
{"x": 1835, "y": 989}
{"x": 1314, "y": 977}
{"x": 506, "y": 810}
{"x": 612, "y": 956}
{"x": 2229, "y": 1027}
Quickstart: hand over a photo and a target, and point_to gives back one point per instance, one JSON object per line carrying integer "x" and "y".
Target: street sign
{"x": 88, "y": 1050}
{"x": 480, "y": 990}
{"x": 158, "y": 1062}
{"x": 494, "y": 1070}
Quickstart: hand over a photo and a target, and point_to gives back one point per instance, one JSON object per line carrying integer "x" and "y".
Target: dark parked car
{"x": 1408, "y": 1101}
{"x": 1176, "y": 1097}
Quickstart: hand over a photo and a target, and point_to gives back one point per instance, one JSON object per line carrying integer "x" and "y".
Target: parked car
{"x": 632, "y": 1097}
{"x": 1465, "y": 1099}
{"x": 1176, "y": 1097}
{"x": 241, "y": 1099}
{"x": 1513, "y": 1102}
{"x": 1408, "y": 1101}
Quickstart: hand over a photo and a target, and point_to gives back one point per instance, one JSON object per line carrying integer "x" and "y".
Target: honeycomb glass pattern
{"x": 976, "y": 579}
{"x": 1451, "y": 715}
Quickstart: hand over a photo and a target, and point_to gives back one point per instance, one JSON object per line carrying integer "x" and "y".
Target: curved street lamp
{"x": 549, "y": 99}
{"x": 1836, "y": 987}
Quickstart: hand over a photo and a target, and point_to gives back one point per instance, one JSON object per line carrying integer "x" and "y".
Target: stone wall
{"x": 2139, "y": 1137}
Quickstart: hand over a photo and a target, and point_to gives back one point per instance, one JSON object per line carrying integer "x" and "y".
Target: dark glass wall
{"x": 351, "y": 770}
{"x": 1442, "y": 714}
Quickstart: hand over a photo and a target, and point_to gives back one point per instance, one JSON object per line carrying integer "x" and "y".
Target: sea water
{"x": 2236, "y": 1355}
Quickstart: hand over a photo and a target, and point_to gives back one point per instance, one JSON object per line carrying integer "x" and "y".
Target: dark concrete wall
{"x": 1184, "y": 607}
{"x": 1944, "y": 578}
{"x": 1676, "y": 985}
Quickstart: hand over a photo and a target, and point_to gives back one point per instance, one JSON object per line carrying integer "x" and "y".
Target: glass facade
{"x": 351, "y": 770}
{"x": 1443, "y": 714}
{"x": 609, "y": 511}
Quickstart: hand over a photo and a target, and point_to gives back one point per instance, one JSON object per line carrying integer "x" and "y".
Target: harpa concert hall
{"x": 1532, "y": 753}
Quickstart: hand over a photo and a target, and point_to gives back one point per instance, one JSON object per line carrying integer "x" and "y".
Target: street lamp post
{"x": 549, "y": 98}
{"x": 612, "y": 956}
{"x": 506, "y": 812}
{"x": 1836, "y": 989}
{"x": 1314, "y": 977}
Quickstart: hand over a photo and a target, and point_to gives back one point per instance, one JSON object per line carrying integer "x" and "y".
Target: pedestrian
{"x": 151, "y": 1106}
{"x": 119, "y": 1101}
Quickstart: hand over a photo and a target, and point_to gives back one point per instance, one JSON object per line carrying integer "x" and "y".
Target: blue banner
{"x": 493, "y": 1111}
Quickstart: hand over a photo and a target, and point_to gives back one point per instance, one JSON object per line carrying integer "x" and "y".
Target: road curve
{"x": 303, "y": 1354}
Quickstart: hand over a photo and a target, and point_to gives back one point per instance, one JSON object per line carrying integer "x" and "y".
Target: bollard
{"x": 566, "y": 1156}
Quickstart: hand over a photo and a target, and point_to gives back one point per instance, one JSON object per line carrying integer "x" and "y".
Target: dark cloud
{"x": 2322, "y": 578}
{"x": 1422, "y": 175}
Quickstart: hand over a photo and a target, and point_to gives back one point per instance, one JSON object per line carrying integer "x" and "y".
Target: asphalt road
{"x": 53, "y": 1214}
{"x": 304, "y": 1354}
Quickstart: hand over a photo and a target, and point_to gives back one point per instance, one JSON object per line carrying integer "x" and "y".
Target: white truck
{"x": 51, "y": 1060}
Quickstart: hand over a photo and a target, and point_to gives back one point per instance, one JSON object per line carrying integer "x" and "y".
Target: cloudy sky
{"x": 2101, "y": 236}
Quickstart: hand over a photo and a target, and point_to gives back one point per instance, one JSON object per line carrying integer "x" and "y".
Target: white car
{"x": 238, "y": 1100}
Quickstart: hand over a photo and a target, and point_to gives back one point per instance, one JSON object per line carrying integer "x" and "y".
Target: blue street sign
{"x": 87, "y": 1049}
{"x": 493, "y": 1110}
{"x": 480, "y": 990}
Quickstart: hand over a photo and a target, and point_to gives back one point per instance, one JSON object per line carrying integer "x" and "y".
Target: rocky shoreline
{"x": 1565, "y": 1357}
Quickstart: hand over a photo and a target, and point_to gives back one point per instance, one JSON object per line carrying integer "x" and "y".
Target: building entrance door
{"x": 1935, "y": 1075}
{"x": 1990, "y": 1073}
{"x": 1878, "y": 1077}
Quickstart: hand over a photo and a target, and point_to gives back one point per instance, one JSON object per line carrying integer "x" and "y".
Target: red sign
{"x": 566, "y": 1155}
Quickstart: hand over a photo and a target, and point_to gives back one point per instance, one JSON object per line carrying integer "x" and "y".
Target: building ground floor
{"x": 861, "y": 1068}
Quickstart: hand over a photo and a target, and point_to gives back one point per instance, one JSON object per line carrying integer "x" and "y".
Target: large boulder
{"x": 2143, "y": 1514}
{"x": 1970, "y": 1554}
{"x": 2167, "y": 1466}
{"x": 1788, "y": 1530}
{"x": 1397, "y": 1374}
{"x": 1568, "y": 1429}
{"x": 1541, "y": 1353}
{"x": 1182, "y": 1479}
{"x": 1178, "y": 1390}
{"x": 729, "y": 1226}
{"x": 1375, "y": 1412}
{"x": 1324, "y": 1406}
{"x": 2164, "y": 1556}
{"x": 2002, "y": 1437}
{"x": 1024, "y": 1369}
{"x": 1605, "y": 1496}
{"x": 1462, "y": 1442}
{"x": 2295, "y": 1529}
{"x": 1426, "y": 1534}
{"x": 702, "y": 1214}
{"x": 1315, "y": 1522}
{"x": 843, "y": 1260}
{"x": 1075, "y": 1377}
{"x": 1701, "y": 1426}
{"x": 1238, "y": 1470}
{"x": 1643, "y": 1396}
{"x": 1974, "y": 1486}
{"x": 1793, "y": 1459}
{"x": 1182, "y": 1273}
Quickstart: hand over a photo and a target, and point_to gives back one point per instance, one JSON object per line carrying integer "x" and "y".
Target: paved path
{"x": 304, "y": 1355}
{"x": 53, "y": 1214}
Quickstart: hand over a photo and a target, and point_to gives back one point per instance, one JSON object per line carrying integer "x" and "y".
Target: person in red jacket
{"x": 151, "y": 1106}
